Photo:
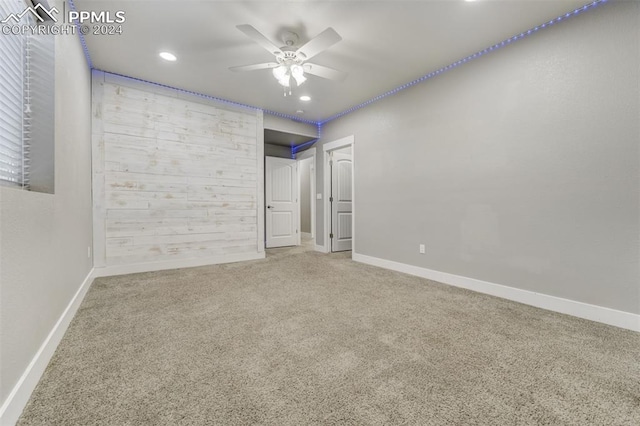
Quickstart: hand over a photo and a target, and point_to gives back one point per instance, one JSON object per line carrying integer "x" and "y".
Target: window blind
{"x": 14, "y": 158}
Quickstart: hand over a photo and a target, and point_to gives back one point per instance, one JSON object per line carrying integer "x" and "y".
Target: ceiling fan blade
{"x": 259, "y": 38}
{"x": 266, "y": 65}
{"x": 324, "y": 72}
{"x": 321, "y": 42}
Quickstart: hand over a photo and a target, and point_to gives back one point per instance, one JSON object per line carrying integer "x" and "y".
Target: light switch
{"x": 318, "y": 196}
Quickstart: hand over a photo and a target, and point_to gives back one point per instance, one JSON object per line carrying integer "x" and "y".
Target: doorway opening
{"x": 307, "y": 196}
{"x": 339, "y": 200}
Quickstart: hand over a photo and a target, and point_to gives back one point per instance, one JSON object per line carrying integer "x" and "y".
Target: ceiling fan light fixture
{"x": 284, "y": 72}
{"x": 298, "y": 73}
{"x": 300, "y": 79}
{"x": 286, "y": 81}
{"x": 280, "y": 72}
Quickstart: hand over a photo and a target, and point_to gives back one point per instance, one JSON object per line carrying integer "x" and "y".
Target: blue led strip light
{"x": 469, "y": 58}
{"x": 166, "y": 86}
{"x": 72, "y": 7}
{"x": 209, "y": 97}
{"x": 319, "y": 124}
{"x": 290, "y": 117}
{"x": 295, "y": 149}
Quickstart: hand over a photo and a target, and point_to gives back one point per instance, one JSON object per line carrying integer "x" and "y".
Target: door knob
{"x": 269, "y": 207}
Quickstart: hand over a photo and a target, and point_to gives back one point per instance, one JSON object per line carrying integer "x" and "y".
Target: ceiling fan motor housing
{"x": 290, "y": 38}
{"x": 290, "y": 57}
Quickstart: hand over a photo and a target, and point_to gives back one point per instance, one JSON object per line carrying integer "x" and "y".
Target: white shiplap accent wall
{"x": 178, "y": 180}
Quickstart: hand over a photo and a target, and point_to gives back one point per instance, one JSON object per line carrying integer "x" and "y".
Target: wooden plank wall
{"x": 174, "y": 178}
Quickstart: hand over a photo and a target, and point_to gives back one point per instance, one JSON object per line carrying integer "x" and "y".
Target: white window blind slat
{"x": 9, "y": 132}
{"x": 8, "y": 161}
{"x": 12, "y": 43}
{"x": 11, "y": 74}
{"x": 10, "y": 100}
{"x": 9, "y": 155}
{"x": 11, "y": 94}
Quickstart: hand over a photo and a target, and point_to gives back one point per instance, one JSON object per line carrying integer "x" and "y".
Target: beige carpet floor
{"x": 305, "y": 338}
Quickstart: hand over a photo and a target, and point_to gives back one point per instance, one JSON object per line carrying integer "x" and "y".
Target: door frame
{"x": 308, "y": 153}
{"x": 348, "y": 141}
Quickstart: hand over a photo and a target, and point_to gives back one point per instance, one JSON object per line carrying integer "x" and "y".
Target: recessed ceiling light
{"x": 305, "y": 98}
{"x": 300, "y": 111}
{"x": 469, "y": 0}
{"x": 168, "y": 56}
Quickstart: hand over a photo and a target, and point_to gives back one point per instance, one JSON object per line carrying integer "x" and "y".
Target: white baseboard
{"x": 21, "y": 392}
{"x": 135, "y": 268}
{"x": 321, "y": 249}
{"x": 596, "y": 313}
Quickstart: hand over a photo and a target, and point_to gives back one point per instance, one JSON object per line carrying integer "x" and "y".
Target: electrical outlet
{"x": 422, "y": 249}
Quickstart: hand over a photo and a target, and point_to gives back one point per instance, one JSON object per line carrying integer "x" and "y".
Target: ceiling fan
{"x": 291, "y": 60}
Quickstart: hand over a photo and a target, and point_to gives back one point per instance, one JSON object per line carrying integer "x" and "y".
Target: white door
{"x": 341, "y": 201}
{"x": 281, "y": 185}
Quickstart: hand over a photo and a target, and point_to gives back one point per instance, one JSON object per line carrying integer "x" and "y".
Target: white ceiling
{"x": 385, "y": 43}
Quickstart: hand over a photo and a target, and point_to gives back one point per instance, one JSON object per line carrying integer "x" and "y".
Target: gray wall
{"x": 271, "y": 150}
{"x": 305, "y": 195}
{"x": 44, "y": 238}
{"x": 520, "y": 168}
{"x": 286, "y": 125}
